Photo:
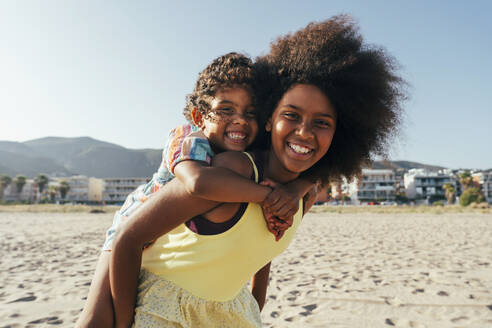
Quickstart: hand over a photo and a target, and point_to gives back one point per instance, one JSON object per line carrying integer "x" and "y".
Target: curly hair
{"x": 359, "y": 79}
{"x": 230, "y": 70}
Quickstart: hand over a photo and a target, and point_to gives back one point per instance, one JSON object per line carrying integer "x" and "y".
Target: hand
{"x": 277, "y": 226}
{"x": 281, "y": 202}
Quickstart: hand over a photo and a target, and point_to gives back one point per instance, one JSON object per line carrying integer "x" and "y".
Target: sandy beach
{"x": 342, "y": 270}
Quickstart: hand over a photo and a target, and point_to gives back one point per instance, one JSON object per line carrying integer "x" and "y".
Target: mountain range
{"x": 57, "y": 156}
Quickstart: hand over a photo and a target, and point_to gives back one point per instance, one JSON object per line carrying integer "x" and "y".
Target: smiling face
{"x": 232, "y": 123}
{"x": 302, "y": 128}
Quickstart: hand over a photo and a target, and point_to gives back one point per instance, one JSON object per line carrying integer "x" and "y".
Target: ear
{"x": 197, "y": 117}
{"x": 268, "y": 125}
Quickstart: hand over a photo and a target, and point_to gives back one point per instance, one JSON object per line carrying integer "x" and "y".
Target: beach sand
{"x": 342, "y": 270}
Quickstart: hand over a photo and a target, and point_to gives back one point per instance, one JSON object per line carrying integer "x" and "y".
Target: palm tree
{"x": 450, "y": 192}
{"x": 466, "y": 180}
{"x": 41, "y": 180}
{"x": 63, "y": 188}
{"x": 5, "y": 180}
{"x": 20, "y": 181}
{"x": 52, "y": 191}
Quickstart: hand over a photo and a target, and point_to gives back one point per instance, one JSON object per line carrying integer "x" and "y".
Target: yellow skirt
{"x": 161, "y": 303}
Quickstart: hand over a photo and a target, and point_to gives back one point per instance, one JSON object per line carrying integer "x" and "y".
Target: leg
{"x": 98, "y": 310}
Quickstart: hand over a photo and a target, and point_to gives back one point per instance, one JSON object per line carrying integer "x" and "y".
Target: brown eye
{"x": 225, "y": 111}
{"x": 291, "y": 116}
{"x": 323, "y": 124}
{"x": 251, "y": 114}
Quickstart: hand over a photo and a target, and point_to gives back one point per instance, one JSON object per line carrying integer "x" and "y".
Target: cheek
{"x": 280, "y": 128}
{"x": 325, "y": 140}
{"x": 253, "y": 125}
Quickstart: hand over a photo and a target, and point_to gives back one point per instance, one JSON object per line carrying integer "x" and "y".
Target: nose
{"x": 304, "y": 130}
{"x": 239, "y": 118}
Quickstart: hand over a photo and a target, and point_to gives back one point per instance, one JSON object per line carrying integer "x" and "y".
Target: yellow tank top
{"x": 216, "y": 267}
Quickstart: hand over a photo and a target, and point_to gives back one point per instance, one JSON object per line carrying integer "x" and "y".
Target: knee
{"x": 94, "y": 321}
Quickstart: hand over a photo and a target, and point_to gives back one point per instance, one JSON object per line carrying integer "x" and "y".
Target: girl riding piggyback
{"x": 222, "y": 116}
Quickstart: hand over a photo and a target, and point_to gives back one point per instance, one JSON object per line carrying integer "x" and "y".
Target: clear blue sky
{"x": 119, "y": 71}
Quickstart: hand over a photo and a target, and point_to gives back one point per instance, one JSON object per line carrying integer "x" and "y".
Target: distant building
{"x": 375, "y": 185}
{"x": 422, "y": 184}
{"x": 96, "y": 189}
{"x": 28, "y": 193}
{"x": 84, "y": 189}
{"x": 116, "y": 189}
{"x": 79, "y": 189}
{"x": 485, "y": 181}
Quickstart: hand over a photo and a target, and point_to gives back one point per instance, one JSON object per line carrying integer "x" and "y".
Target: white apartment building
{"x": 84, "y": 189}
{"x": 485, "y": 180}
{"x": 421, "y": 183}
{"x": 375, "y": 185}
{"x": 29, "y": 192}
{"x": 116, "y": 189}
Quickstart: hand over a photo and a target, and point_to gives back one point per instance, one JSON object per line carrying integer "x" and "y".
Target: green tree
{"x": 41, "y": 180}
{"x": 20, "y": 181}
{"x": 450, "y": 192}
{"x": 401, "y": 197}
{"x": 471, "y": 195}
{"x": 52, "y": 191}
{"x": 5, "y": 180}
{"x": 63, "y": 188}
{"x": 466, "y": 180}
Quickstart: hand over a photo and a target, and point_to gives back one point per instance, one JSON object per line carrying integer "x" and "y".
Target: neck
{"x": 275, "y": 171}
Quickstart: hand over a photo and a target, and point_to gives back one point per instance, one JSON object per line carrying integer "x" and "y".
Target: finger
{"x": 281, "y": 210}
{"x": 276, "y": 206}
{"x": 285, "y": 223}
{"x": 271, "y": 200}
{"x": 281, "y": 225}
{"x": 269, "y": 183}
{"x": 291, "y": 212}
{"x": 280, "y": 234}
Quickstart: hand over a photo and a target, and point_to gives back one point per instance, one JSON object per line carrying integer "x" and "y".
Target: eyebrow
{"x": 225, "y": 101}
{"x": 299, "y": 108}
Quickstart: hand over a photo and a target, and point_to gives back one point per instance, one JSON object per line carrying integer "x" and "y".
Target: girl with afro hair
{"x": 331, "y": 102}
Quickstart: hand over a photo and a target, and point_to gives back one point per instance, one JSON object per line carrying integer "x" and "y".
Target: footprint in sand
{"x": 389, "y": 322}
{"x": 442, "y": 293}
{"x": 24, "y": 299}
{"x": 309, "y": 309}
{"x": 459, "y": 319}
{"x": 48, "y": 320}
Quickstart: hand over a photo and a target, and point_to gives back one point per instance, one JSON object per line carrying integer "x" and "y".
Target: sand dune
{"x": 343, "y": 270}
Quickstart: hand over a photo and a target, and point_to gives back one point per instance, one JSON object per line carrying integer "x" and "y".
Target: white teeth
{"x": 236, "y": 135}
{"x": 299, "y": 149}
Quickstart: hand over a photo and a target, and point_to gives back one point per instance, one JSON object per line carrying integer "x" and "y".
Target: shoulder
{"x": 185, "y": 130}
{"x": 233, "y": 160}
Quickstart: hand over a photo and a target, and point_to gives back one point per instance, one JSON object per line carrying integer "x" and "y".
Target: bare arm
{"x": 259, "y": 285}
{"x": 283, "y": 201}
{"x": 168, "y": 208}
{"x": 311, "y": 196}
{"x": 98, "y": 309}
{"x": 219, "y": 183}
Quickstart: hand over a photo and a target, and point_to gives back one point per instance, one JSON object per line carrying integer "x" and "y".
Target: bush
{"x": 471, "y": 195}
{"x": 438, "y": 203}
{"x": 433, "y": 198}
